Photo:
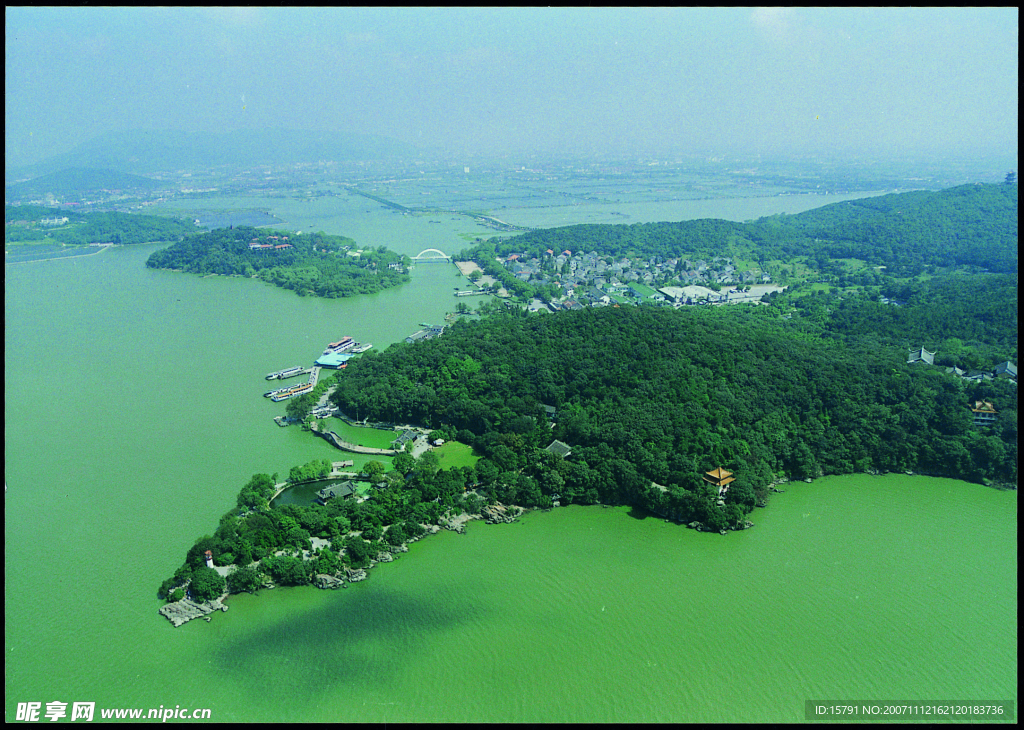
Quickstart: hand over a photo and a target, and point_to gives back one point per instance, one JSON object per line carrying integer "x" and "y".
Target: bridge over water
{"x": 432, "y": 254}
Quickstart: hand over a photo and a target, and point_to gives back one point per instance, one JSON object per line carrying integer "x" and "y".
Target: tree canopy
{"x": 646, "y": 394}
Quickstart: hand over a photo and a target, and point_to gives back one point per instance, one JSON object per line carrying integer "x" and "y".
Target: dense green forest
{"x": 309, "y": 264}
{"x": 969, "y": 319}
{"x": 22, "y": 223}
{"x": 970, "y": 225}
{"x": 652, "y": 394}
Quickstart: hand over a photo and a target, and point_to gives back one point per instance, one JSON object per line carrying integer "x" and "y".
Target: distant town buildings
{"x": 590, "y": 280}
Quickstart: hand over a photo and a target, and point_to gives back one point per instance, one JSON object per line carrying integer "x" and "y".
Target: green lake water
{"x": 133, "y": 414}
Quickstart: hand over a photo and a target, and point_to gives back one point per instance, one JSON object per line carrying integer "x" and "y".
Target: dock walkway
{"x": 335, "y": 439}
{"x": 278, "y": 488}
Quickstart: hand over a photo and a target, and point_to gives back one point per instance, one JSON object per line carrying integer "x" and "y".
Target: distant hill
{"x": 969, "y": 225}
{"x": 148, "y": 151}
{"x": 24, "y": 224}
{"x": 80, "y": 180}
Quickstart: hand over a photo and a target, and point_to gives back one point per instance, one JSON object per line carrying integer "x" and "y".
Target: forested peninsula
{"x": 646, "y": 395}
{"x": 901, "y": 367}
{"x": 313, "y": 264}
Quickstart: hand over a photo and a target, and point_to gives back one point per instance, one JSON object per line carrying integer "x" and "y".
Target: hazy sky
{"x": 768, "y": 80}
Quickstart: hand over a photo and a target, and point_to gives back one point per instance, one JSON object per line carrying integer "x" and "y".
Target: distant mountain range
{"x": 150, "y": 151}
{"x": 78, "y": 180}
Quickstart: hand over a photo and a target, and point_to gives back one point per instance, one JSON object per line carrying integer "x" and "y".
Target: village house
{"x": 406, "y": 436}
{"x": 345, "y": 489}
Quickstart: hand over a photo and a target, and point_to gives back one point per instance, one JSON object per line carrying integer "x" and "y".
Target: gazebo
{"x": 720, "y": 478}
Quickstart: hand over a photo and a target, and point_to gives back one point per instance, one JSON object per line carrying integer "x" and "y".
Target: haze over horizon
{"x": 769, "y": 81}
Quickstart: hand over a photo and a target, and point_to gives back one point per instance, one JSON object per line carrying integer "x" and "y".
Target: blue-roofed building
{"x": 335, "y": 360}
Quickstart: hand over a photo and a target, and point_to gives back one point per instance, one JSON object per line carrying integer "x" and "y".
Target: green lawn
{"x": 453, "y": 453}
{"x": 852, "y": 266}
{"x": 372, "y": 437}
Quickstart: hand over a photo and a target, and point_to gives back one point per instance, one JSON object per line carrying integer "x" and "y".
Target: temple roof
{"x": 719, "y": 477}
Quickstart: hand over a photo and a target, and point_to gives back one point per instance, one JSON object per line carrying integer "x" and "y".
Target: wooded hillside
{"x": 652, "y": 394}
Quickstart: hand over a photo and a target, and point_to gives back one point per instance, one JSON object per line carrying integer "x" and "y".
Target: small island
{"x": 310, "y": 264}
{"x": 66, "y": 227}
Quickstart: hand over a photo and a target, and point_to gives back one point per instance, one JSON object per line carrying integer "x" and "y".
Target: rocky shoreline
{"x": 183, "y": 611}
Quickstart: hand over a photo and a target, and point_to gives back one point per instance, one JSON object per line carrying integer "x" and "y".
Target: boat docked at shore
{"x": 358, "y": 348}
{"x": 286, "y": 373}
{"x": 287, "y": 393}
{"x": 340, "y": 346}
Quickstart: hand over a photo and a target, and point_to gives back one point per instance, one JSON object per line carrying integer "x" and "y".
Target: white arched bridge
{"x": 432, "y": 254}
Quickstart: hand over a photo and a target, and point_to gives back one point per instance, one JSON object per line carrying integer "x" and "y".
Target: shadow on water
{"x": 362, "y": 636}
{"x": 639, "y": 513}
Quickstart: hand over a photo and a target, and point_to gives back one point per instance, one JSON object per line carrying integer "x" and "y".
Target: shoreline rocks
{"x": 458, "y": 522}
{"x": 498, "y": 513}
{"x": 328, "y": 582}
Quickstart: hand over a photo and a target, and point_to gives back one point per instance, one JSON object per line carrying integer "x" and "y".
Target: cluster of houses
{"x": 588, "y": 279}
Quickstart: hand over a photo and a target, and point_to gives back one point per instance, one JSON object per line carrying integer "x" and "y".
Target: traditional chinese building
{"x": 720, "y": 478}
{"x": 984, "y": 413}
{"x": 921, "y": 355}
